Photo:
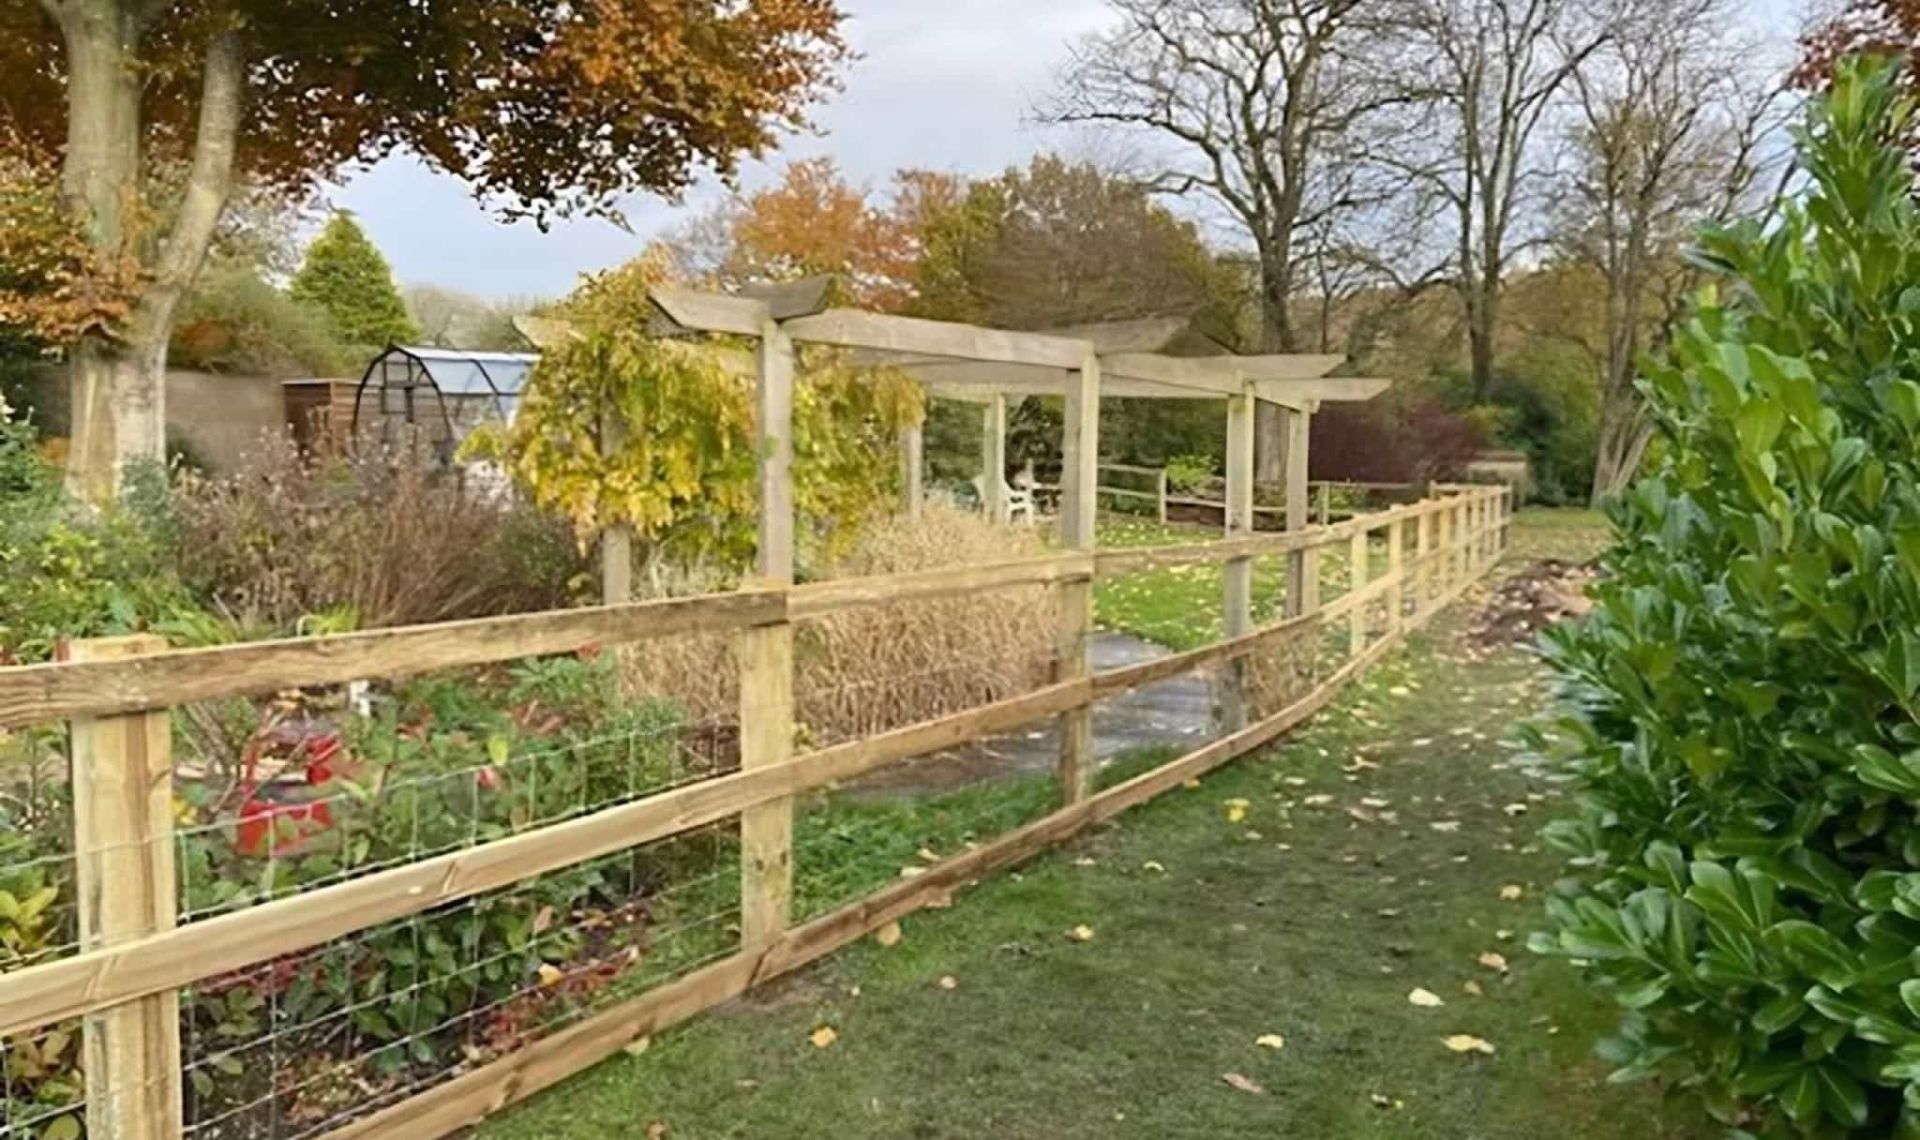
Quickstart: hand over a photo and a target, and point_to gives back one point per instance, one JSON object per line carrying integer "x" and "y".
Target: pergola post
{"x": 616, "y": 540}
{"x": 766, "y": 659}
{"x": 1303, "y": 566}
{"x": 912, "y": 466}
{"x": 1079, "y": 488}
{"x": 1242, "y": 412}
{"x": 993, "y": 458}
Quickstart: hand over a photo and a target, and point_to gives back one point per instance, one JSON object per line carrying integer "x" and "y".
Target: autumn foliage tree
{"x": 815, "y": 222}
{"x": 152, "y": 108}
{"x": 1878, "y": 27}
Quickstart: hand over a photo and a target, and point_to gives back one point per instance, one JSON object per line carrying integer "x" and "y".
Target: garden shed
{"x": 436, "y": 397}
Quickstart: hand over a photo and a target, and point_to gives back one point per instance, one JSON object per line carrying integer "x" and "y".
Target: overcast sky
{"x": 942, "y": 84}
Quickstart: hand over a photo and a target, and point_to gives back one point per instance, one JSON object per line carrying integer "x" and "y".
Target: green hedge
{"x": 1744, "y": 733}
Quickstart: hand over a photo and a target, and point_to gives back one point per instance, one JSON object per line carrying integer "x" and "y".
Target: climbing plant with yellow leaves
{"x": 618, "y": 428}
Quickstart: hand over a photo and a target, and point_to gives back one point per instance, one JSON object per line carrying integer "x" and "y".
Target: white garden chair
{"x": 1019, "y": 500}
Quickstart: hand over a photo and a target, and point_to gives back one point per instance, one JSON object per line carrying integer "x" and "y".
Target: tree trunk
{"x": 119, "y": 412}
{"x": 1277, "y": 334}
{"x": 1624, "y": 436}
{"x": 1482, "y": 319}
{"x": 100, "y": 180}
{"x": 118, "y": 374}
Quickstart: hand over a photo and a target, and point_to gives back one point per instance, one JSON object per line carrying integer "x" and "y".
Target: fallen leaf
{"x": 1270, "y": 1041}
{"x": 550, "y": 974}
{"x": 888, "y": 935}
{"x": 1515, "y": 809}
{"x": 1320, "y": 800}
{"x": 1512, "y": 892}
{"x": 1447, "y": 825}
{"x": 1473, "y": 988}
{"x": 657, "y": 1130}
{"x": 1086, "y": 861}
{"x": 928, "y": 855}
{"x": 638, "y": 1046}
{"x": 1237, "y": 810}
{"x": 824, "y": 1036}
{"x": 1465, "y": 1043}
{"x": 1425, "y": 999}
{"x": 1154, "y": 865}
{"x": 912, "y": 872}
{"x": 1494, "y": 961}
{"x": 1244, "y": 1084}
{"x": 948, "y": 982}
{"x": 1081, "y": 933}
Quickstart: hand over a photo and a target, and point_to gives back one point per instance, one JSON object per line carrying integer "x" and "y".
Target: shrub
{"x": 236, "y": 321}
{"x": 1191, "y": 474}
{"x": 1744, "y": 734}
{"x": 384, "y": 537}
{"x": 68, "y": 572}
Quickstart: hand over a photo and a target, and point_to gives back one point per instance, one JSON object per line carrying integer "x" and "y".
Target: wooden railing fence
{"x": 135, "y": 954}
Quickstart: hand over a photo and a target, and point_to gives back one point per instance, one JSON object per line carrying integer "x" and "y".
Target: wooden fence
{"x": 136, "y": 954}
{"x": 1164, "y": 496}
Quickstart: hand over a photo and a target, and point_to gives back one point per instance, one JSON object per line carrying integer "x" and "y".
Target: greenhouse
{"x": 435, "y": 397}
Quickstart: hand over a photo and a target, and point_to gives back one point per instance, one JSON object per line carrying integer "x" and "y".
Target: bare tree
{"x": 1673, "y": 114}
{"x": 1481, "y": 78}
{"x": 1253, "y": 96}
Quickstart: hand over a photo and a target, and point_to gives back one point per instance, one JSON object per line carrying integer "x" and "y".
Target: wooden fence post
{"x": 1396, "y": 569}
{"x": 912, "y": 463}
{"x": 1357, "y": 554}
{"x": 1160, "y": 491}
{"x": 1303, "y": 566}
{"x": 1326, "y": 504}
{"x": 766, "y": 661}
{"x": 124, "y": 867}
{"x": 1079, "y": 507}
{"x": 1237, "y": 574}
{"x": 993, "y": 457}
{"x": 1423, "y": 557}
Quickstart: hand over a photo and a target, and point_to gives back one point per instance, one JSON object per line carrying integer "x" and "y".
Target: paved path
{"x": 1178, "y": 711}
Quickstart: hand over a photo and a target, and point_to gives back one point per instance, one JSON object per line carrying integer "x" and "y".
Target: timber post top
{"x": 968, "y": 362}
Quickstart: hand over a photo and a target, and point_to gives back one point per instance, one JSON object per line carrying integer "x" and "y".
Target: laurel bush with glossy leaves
{"x": 1743, "y": 733}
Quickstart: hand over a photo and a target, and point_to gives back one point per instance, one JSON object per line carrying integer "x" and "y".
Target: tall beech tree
{"x": 153, "y": 108}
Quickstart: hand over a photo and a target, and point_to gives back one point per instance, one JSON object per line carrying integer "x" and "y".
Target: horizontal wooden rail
{"x": 820, "y": 598}
{"x": 31, "y": 694}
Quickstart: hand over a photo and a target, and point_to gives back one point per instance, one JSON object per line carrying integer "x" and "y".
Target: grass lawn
{"x": 1377, "y": 850}
{"x": 1181, "y": 607}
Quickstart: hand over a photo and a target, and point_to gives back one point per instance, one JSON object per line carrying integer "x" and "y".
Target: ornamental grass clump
{"x": 1743, "y": 733}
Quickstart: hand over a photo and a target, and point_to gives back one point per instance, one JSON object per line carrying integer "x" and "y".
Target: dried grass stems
{"x": 868, "y": 670}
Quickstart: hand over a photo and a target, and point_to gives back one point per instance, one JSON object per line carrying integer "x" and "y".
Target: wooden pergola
{"x": 1081, "y": 365}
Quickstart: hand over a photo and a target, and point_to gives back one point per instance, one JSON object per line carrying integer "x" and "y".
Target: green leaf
{"x": 1842, "y": 1096}
{"x": 1880, "y": 768}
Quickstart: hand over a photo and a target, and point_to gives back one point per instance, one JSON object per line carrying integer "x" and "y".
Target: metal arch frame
{"x": 415, "y": 361}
